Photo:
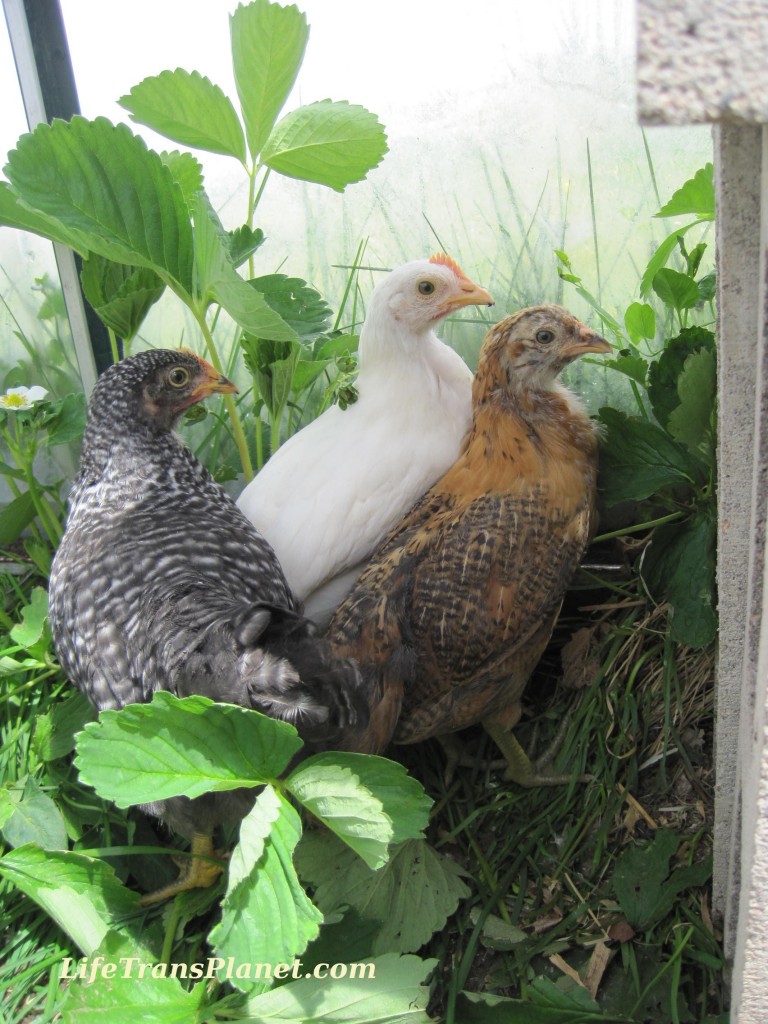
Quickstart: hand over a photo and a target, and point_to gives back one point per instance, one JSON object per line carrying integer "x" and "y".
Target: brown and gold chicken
{"x": 457, "y": 604}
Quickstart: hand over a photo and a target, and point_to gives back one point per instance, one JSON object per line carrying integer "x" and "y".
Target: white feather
{"x": 333, "y": 490}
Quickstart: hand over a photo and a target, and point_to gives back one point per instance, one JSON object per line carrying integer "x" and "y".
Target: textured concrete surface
{"x": 741, "y": 505}
{"x": 702, "y": 62}
{"x": 750, "y": 885}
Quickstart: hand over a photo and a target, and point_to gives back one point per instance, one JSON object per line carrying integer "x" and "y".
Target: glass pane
{"x": 32, "y": 321}
{"x": 512, "y": 133}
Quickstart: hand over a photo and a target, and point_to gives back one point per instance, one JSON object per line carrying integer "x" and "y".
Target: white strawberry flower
{"x": 19, "y": 399}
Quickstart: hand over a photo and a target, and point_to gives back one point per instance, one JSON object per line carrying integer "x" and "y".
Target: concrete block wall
{"x": 702, "y": 62}
{"x": 708, "y": 62}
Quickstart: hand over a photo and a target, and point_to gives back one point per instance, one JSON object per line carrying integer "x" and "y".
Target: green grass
{"x": 543, "y": 860}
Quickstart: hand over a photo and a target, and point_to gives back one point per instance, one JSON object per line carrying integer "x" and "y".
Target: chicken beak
{"x": 467, "y": 294}
{"x": 588, "y": 341}
{"x": 212, "y": 383}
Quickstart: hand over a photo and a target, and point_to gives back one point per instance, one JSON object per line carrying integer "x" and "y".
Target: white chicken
{"x": 327, "y": 497}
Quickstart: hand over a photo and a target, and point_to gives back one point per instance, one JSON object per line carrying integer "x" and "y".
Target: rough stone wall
{"x": 702, "y": 62}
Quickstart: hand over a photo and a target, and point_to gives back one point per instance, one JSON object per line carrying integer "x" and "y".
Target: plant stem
{"x": 170, "y": 932}
{"x": 229, "y": 402}
{"x": 250, "y": 210}
{"x": 638, "y": 398}
{"x": 255, "y": 202}
{"x": 24, "y": 456}
{"x": 639, "y": 527}
{"x": 594, "y": 224}
{"x": 115, "y": 349}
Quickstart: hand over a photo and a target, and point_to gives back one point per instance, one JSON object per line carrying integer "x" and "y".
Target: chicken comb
{"x": 442, "y": 259}
{"x": 182, "y": 349}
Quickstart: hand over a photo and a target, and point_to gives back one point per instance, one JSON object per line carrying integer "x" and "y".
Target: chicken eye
{"x": 426, "y": 287}
{"x": 545, "y": 337}
{"x": 178, "y": 377}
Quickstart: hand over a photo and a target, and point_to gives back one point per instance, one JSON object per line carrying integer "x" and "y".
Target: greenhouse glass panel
{"x": 506, "y": 142}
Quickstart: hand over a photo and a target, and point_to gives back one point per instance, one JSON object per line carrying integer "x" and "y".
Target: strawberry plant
{"x": 664, "y": 453}
{"x": 144, "y": 224}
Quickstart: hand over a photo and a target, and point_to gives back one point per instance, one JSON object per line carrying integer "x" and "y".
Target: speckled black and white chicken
{"x": 161, "y": 583}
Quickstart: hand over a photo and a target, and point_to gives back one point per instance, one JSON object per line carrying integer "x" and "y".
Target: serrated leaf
{"x": 56, "y": 730}
{"x": 643, "y": 884}
{"x": 694, "y": 257}
{"x": 108, "y": 191}
{"x": 335, "y": 795}
{"x": 272, "y": 364}
{"x": 679, "y": 566}
{"x": 65, "y": 419}
{"x": 630, "y": 364}
{"x": 126, "y": 997}
{"x": 412, "y": 896}
{"x": 268, "y": 44}
{"x": 35, "y": 819}
{"x": 305, "y": 373}
{"x": 248, "y": 309}
{"x": 299, "y": 305}
{"x": 638, "y": 459}
{"x": 338, "y": 345}
{"x": 187, "y": 108}
{"x": 15, "y": 517}
{"x": 121, "y": 295}
{"x": 15, "y": 214}
{"x": 402, "y": 797}
{"x": 707, "y": 286}
{"x": 266, "y": 915}
{"x": 546, "y": 1004}
{"x": 675, "y": 289}
{"x": 664, "y": 373}
{"x": 243, "y": 243}
{"x": 175, "y": 747}
{"x": 218, "y": 281}
{"x": 187, "y": 172}
{"x": 343, "y": 938}
{"x": 81, "y": 894}
{"x": 662, "y": 254}
{"x": 640, "y": 321}
{"x": 696, "y": 196}
{"x": 393, "y": 994}
{"x": 331, "y": 143}
{"x": 691, "y": 422}
{"x": 32, "y": 632}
